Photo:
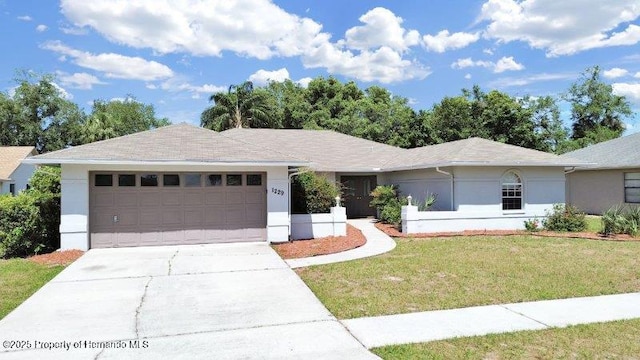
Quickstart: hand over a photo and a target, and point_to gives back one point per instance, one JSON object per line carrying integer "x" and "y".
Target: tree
{"x": 594, "y": 105}
{"x": 547, "y": 123}
{"x": 38, "y": 114}
{"x": 109, "y": 119}
{"x": 241, "y": 106}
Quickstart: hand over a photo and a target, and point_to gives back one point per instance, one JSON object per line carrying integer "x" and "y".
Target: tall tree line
{"x": 376, "y": 114}
{"x": 36, "y": 113}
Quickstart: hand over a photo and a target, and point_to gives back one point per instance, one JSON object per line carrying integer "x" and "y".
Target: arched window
{"x": 511, "y": 191}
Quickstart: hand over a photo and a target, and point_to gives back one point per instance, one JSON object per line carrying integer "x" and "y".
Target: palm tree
{"x": 239, "y": 107}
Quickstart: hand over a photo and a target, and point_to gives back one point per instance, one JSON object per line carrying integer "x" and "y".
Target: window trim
{"x": 625, "y": 187}
{"x": 521, "y": 197}
{"x": 12, "y": 189}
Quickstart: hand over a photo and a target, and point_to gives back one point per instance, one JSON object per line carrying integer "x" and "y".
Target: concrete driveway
{"x": 223, "y": 301}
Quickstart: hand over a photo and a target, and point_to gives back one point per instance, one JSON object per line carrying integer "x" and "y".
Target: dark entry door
{"x": 357, "y": 195}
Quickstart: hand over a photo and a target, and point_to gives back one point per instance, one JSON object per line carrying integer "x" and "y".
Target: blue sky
{"x": 175, "y": 53}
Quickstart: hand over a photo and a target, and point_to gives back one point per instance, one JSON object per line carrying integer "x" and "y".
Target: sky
{"x": 174, "y": 54}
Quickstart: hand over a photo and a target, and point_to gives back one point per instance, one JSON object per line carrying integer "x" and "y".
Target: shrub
{"x": 429, "y": 201}
{"x": 313, "y": 194}
{"x": 532, "y": 224}
{"x": 619, "y": 220}
{"x": 565, "y": 218}
{"x": 30, "y": 221}
{"x": 387, "y": 201}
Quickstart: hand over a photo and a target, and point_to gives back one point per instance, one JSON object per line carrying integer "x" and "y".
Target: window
{"x": 126, "y": 180}
{"x": 171, "y": 180}
{"x": 632, "y": 188}
{"x": 511, "y": 191}
{"x": 192, "y": 180}
{"x": 234, "y": 180}
{"x": 103, "y": 180}
{"x": 12, "y": 189}
{"x": 214, "y": 180}
{"x": 254, "y": 179}
{"x": 148, "y": 180}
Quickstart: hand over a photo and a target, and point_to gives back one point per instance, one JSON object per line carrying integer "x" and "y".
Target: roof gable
{"x": 173, "y": 143}
{"x": 10, "y": 158}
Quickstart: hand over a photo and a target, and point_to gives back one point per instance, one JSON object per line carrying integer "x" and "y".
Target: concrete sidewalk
{"x": 377, "y": 243}
{"x": 482, "y": 320}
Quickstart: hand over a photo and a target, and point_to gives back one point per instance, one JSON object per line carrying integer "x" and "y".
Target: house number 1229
{"x": 277, "y": 191}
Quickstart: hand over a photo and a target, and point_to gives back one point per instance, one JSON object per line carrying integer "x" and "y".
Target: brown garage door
{"x": 139, "y": 209}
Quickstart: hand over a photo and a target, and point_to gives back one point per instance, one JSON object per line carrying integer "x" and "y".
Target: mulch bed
{"x": 64, "y": 257}
{"x": 394, "y": 232}
{"x": 321, "y": 246}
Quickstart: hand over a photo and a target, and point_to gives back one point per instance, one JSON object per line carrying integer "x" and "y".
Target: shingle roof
{"x": 10, "y": 158}
{"x": 178, "y": 143}
{"x": 478, "y": 151}
{"x": 327, "y": 150}
{"x": 623, "y": 152}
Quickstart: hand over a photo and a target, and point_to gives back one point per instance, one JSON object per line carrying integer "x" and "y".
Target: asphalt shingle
{"x": 623, "y": 152}
{"x": 10, "y": 158}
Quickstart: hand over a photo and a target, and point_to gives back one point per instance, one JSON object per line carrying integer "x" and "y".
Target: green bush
{"x": 621, "y": 220}
{"x": 387, "y": 200}
{"x": 30, "y": 221}
{"x": 532, "y": 224}
{"x": 565, "y": 218}
{"x": 313, "y": 194}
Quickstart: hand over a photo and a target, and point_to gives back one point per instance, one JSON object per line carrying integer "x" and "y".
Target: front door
{"x": 357, "y": 195}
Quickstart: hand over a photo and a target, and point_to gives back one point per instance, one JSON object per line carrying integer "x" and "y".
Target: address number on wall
{"x": 277, "y": 191}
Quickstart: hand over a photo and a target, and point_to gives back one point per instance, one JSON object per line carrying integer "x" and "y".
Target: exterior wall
{"x": 596, "y": 191}
{"x": 74, "y": 222}
{"x": 312, "y": 226}
{"x": 478, "y": 201}
{"x": 20, "y": 178}
{"x": 419, "y": 183}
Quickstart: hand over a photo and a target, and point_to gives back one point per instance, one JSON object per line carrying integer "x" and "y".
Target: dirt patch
{"x": 64, "y": 257}
{"x": 394, "y": 232}
{"x": 322, "y": 246}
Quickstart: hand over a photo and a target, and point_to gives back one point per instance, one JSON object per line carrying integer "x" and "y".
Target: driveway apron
{"x": 225, "y": 301}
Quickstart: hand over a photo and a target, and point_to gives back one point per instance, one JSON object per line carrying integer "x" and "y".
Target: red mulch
{"x": 64, "y": 257}
{"x": 322, "y": 246}
{"x": 394, "y": 232}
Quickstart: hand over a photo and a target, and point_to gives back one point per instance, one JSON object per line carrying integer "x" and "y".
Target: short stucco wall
{"x": 312, "y": 226}
{"x": 414, "y": 221}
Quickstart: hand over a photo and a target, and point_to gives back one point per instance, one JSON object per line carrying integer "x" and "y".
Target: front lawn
{"x": 19, "y": 279}
{"x": 613, "y": 340}
{"x": 445, "y": 273}
{"x": 594, "y": 223}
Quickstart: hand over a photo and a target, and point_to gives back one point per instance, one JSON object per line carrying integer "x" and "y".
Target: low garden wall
{"x": 414, "y": 221}
{"x": 313, "y": 226}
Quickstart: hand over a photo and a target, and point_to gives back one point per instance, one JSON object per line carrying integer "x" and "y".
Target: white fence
{"x": 313, "y": 226}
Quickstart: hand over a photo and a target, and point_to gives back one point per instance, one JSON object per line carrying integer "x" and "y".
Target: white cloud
{"x": 179, "y": 84}
{"x": 487, "y": 51}
{"x": 72, "y": 30}
{"x": 25, "y": 18}
{"x": 637, "y": 75}
{"x": 81, "y": 81}
{"x": 631, "y": 91}
{"x": 614, "y": 73}
{"x": 304, "y": 82}
{"x": 563, "y": 27}
{"x": 254, "y": 28}
{"x": 113, "y": 65}
{"x": 503, "y": 64}
{"x": 507, "y": 64}
{"x": 444, "y": 41}
{"x": 263, "y": 77}
{"x": 41, "y": 28}
{"x": 467, "y": 76}
{"x": 63, "y": 93}
{"x": 381, "y": 28}
{"x": 526, "y": 80}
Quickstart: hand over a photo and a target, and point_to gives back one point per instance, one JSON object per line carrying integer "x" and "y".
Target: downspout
{"x": 450, "y": 175}
{"x": 567, "y": 188}
{"x": 295, "y": 172}
{"x": 570, "y": 171}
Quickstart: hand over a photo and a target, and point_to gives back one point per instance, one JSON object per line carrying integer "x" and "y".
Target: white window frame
{"x": 631, "y": 176}
{"x": 520, "y": 184}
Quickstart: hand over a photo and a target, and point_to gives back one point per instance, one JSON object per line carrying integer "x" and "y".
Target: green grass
{"x": 19, "y": 279}
{"x": 614, "y": 340}
{"x": 445, "y": 273}
{"x": 594, "y": 223}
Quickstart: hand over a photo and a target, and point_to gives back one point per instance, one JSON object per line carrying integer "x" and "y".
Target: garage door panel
{"x": 176, "y": 215}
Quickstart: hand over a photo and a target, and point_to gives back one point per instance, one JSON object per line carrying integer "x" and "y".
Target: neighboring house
{"x": 612, "y": 178}
{"x": 14, "y": 175}
{"x": 182, "y": 184}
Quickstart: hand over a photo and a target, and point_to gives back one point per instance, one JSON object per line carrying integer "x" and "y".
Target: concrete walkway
{"x": 492, "y": 319}
{"x": 377, "y": 243}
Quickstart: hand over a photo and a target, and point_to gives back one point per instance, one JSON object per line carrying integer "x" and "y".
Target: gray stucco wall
{"x": 596, "y": 191}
